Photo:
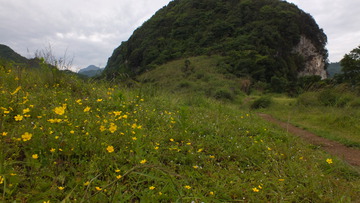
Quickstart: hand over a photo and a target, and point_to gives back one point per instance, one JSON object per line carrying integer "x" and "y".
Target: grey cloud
{"x": 91, "y": 29}
{"x": 339, "y": 19}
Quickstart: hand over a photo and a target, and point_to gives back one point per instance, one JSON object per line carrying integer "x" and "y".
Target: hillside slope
{"x": 6, "y": 53}
{"x": 260, "y": 38}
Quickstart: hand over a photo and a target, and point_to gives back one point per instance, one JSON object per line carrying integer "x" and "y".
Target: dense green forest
{"x": 255, "y": 37}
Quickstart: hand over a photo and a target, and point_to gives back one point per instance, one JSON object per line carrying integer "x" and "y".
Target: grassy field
{"x": 64, "y": 139}
{"x": 341, "y": 124}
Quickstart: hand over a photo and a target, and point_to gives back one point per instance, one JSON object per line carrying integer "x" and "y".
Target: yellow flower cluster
{"x": 26, "y": 136}
{"x": 60, "y": 110}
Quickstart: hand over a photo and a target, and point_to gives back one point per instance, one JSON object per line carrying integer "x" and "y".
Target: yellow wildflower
{"x": 134, "y": 138}
{"x": 102, "y": 128}
{"x": 187, "y": 187}
{"x": 72, "y": 132}
{"x": 118, "y": 176}
{"x": 143, "y": 161}
{"x": 151, "y": 187}
{"x": 1, "y": 180}
{"x": 98, "y": 188}
{"x": 99, "y": 100}
{"x": 329, "y": 161}
{"x": 4, "y": 133}
{"x": 110, "y": 149}
{"x": 117, "y": 170}
{"x": 87, "y": 109}
{"x": 113, "y": 127}
{"x": 117, "y": 113}
{"x": 35, "y": 156}
{"x": 86, "y": 183}
{"x": 281, "y": 180}
{"x": 18, "y": 117}
{"x": 211, "y": 193}
{"x": 61, "y": 188}
{"x": 26, "y": 136}
{"x": 52, "y": 150}
{"x": 27, "y": 110}
{"x": 16, "y": 91}
{"x": 255, "y": 189}
{"x": 60, "y": 110}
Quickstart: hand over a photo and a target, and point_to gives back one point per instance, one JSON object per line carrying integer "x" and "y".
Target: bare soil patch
{"x": 350, "y": 155}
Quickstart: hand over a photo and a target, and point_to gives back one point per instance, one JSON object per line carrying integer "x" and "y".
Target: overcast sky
{"x": 89, "y": 30}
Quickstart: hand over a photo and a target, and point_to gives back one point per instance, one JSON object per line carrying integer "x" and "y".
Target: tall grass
{"x": 63, "y": 139}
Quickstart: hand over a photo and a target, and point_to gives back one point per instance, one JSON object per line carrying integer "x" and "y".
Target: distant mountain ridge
{"x": 334, "y": 68}
{"x": 90, "y": 71}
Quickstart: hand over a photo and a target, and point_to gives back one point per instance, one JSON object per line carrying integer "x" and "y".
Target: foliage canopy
{"x": 351, "y": 66}
{"x": 256, "y": 37}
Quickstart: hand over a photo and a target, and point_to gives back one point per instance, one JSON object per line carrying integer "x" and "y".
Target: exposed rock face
{"x": 314, "y": 61}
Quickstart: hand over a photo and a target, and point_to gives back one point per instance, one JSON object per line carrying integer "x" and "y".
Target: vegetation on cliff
{"x": 255, "y": 37}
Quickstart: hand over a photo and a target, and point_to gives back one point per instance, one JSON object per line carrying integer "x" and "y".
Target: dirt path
{"x": 350, "y": 155}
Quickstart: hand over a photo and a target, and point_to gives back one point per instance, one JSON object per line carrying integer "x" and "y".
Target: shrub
{"x": 328, "y": 97}
{"x": 224, "y": 94}
{"x": 262, "y": 102}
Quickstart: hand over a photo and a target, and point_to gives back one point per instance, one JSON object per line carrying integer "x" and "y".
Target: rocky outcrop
{"x": 314, "y": 60}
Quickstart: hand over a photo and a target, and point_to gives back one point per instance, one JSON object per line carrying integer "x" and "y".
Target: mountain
{"x": 257, "y": 39}
{"x": 7, "y": 53}
{"x": 90, "y": 71}
{"x": 334, "y": 68}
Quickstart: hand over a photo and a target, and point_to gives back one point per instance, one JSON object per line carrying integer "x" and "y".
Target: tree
{"x": 351, "y": 66}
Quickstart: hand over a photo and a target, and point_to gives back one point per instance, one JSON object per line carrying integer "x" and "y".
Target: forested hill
{"x": 257, "y": 38}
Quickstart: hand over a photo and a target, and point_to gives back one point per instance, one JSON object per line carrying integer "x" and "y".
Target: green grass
{"x": 340, "y": 124}
{"x": 196, "y": 75}
{"x": 98, "y": 142}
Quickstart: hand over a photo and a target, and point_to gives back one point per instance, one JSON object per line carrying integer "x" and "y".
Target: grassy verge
{"x": 64, "y": 139}
{"x": 340, "y": 124}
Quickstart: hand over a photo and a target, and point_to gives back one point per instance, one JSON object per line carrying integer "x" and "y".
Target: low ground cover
{"x": 66, "y": 139}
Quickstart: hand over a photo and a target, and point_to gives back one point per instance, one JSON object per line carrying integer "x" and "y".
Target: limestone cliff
{"x": 314, "y": 60}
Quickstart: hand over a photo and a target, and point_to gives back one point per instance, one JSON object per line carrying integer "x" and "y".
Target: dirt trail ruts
{"x": 350, "y": 155}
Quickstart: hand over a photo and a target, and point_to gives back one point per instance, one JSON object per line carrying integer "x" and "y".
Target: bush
{"x": 224, "y": 94}
{"x": 262, "y": 102}
{"x": 328, "y": 97}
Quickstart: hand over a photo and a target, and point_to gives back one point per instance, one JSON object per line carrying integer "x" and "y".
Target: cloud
{"x": 339, "y": 19}
{"x": 89, "y": 30}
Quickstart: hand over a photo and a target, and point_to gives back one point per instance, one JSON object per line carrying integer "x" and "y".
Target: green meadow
{"x": 64, "y": 139}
